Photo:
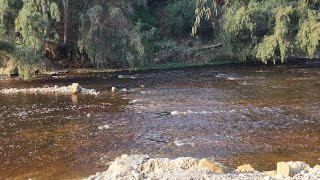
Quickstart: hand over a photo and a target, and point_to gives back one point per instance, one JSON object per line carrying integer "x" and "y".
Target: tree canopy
{"x": 132, "y": 34}
{"x": 265, "y": 30}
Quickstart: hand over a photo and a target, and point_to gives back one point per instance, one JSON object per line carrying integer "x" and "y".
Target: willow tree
{"x": 108, "y": 36}
{"x": 265, "y": 30}
{"x": 34, "y": 26}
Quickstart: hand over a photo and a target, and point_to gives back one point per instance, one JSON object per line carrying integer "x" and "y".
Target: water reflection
{"x": 74, "y": 99}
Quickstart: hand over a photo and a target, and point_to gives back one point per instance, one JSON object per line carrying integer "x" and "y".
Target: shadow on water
{"x": 236, "y": 115}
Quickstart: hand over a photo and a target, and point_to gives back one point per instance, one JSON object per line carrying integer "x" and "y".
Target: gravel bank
{"x": 142, "y": 167}
{"x": 47, "y": 90}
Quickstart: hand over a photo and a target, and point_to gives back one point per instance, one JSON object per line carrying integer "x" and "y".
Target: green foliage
{"x": 179, "y": 16}
{"x": 135, "y": 33}
{"x": 27, "y": 61}
{"x": 34, "y": 23}
{"x": 309, "y": 33}
{"x": 108, "y": 37}
{"x": 6, "y": 46}
{"x": 266, "y": 30}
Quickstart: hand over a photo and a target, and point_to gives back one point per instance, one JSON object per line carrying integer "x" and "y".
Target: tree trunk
{"x": 66, "y": 20}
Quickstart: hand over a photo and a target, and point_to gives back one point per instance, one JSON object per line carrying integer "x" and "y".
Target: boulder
{"x": 297, "y": 167}
{"x": 212, "y": 166}
{"x": 283, "y": 169}
{"x": 290, "y": 168}
{"x": 113, "y": 89}
{"x": 316, "y": 167}
{"x": 75, "y": 88}
{"x": 245, "y": 168}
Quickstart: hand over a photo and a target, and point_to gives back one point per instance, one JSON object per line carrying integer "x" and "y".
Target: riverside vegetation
{"x": 38, "y": 35}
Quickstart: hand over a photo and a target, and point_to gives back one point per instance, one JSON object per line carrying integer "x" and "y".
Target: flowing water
{"x": 235, "y": 115}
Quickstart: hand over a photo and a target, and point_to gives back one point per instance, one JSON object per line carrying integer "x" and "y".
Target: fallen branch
{"x": 209, "y": 47}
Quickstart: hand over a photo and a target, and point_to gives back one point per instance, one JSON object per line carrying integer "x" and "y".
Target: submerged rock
{"x": 104, "y": 127}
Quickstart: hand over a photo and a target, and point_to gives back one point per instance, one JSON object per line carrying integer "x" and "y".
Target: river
{"x": 234, "y": 114}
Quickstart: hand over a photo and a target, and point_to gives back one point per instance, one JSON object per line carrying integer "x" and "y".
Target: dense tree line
{"x": 135, "y": 33}
{"x": 265, "y": 30}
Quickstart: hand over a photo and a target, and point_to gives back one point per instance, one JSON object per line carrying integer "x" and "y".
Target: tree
{"x": 65, "y": 20}
{"x": 265, "y": 30}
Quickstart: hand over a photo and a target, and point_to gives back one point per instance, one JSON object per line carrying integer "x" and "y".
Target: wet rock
{"x": 212, "y": 166}
{"x": 126, "y": 77}
{"x": 175, "y": 113}
{"x": 75, "y": 88}
{"x": 157, "y": 138}
{"x": 183, "y": 143}
{"x": 123, "y": 90}
{"x": 104, "y": 127}
{"x": 55, "y": 89}
{"x": 245, "y": 168}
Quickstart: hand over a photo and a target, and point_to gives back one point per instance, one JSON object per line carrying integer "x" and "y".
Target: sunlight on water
{"x": 237, "y": 115}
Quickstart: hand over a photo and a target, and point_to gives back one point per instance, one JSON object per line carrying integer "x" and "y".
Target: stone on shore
{"x": 75, "y": 88}
{"x": 245, "y": 168}
{"x": 158, "y": 164}
{"x": 212, "y": 166}
{"x": 283, "y": 169}
{"x": 289, "y": 169}
{"x": 142, "y": 167}
{"x": 272, "y": 174}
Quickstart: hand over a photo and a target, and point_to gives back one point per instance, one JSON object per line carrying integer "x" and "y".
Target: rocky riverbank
{"x": 143, "y": 167}
{"x": 72, "y": 89}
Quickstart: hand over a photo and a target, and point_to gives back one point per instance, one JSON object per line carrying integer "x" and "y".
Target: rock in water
{"x": 75, "y": 88}
{"x": 113, "y": 89}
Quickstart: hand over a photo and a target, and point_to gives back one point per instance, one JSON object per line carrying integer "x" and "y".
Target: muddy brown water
{"x": 236, "y": 115}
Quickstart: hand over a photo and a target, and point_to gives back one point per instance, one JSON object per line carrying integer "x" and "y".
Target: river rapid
{"x": 234, "y": 114}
